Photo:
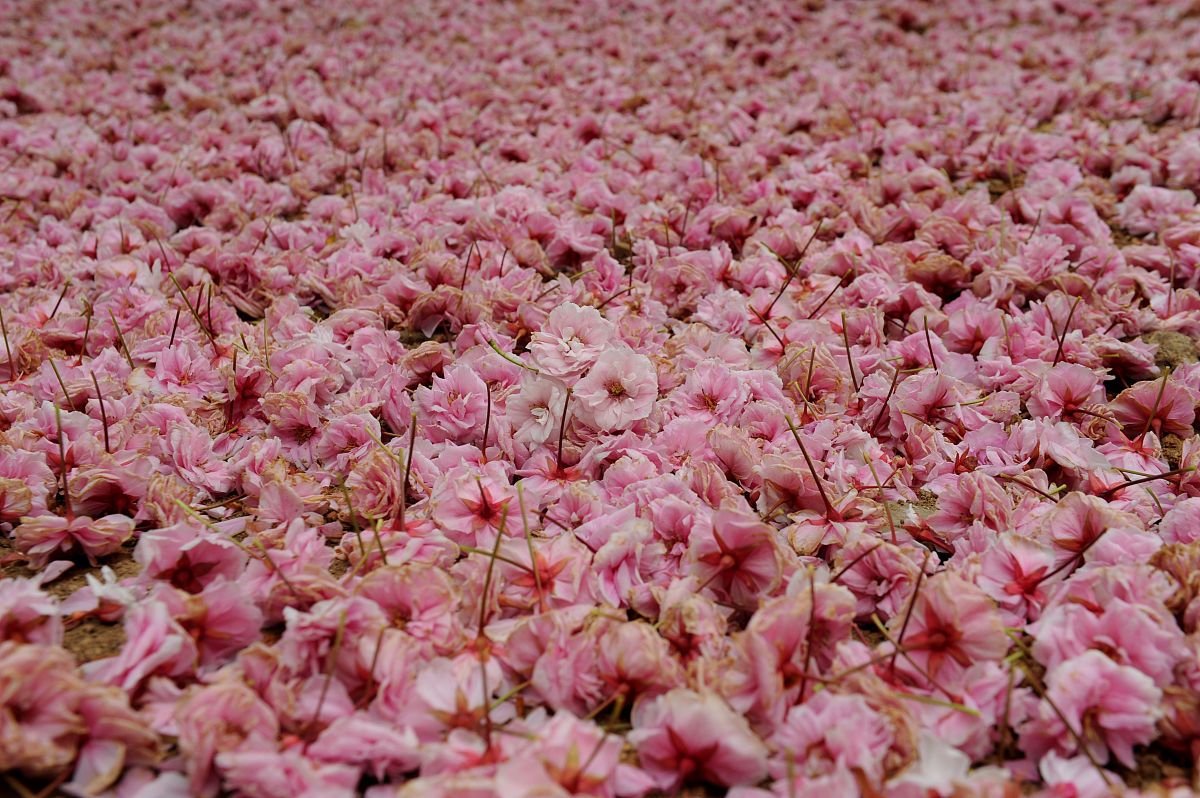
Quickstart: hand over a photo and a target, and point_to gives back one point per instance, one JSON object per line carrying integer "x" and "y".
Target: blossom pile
{"x": 585, "y": 398}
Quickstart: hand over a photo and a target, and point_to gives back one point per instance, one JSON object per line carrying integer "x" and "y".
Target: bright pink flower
{"x": 738, "y": 557}
{"x": 1063, "y": 390}
{"x": 953, "y": 624}
{"x": 683, "y": 736}
{"x": 1160, "y": 405}
{"x": 455, "y": 408}
{"x": 1015, "y": 572}
{"x": 619, "y": 389}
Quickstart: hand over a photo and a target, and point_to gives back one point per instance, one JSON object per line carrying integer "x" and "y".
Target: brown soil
{"x": 1174, "y": 349}
{"x": 90, "y": 638}
{"x": 93, "y": 639}
{"x": 1172, "y": 449}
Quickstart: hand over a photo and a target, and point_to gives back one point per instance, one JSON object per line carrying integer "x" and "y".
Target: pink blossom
{"x": 39, "y": 537}
{"x": 833, "y": 733}
{"x": 1111, "y": 707}
{"x": 187, "y": 557}
{"x": 738, "y": 557}
{"x": 157, "y": 645}
{"x": 570, "y": 342}
{"x": 454, "y": 408}
{"x": 1016, "y": 575}
{"x": 426, "y": 601}
{"x": 225, "y": 716}
{"x": 1064, "y": 390}
{"x": 1148, "y": 208}
{"x": 372, "y": 744}
{"x": 619, "y": 389}
{"x": 28, "y": 614}
{"x": 952, "y": 624}
{"x": 536, "y": 410}
{"x": 683, "y": 736}
{"x": 1161, "y": 405}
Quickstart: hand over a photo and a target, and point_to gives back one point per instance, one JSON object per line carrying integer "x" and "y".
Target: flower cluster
{"x": 618, "y": 399}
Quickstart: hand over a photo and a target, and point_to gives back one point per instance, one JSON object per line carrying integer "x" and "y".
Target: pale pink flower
{"x": 633, "y": 660}
{"x": 28, "y": 614}
{"x": 1181, "y": 524}
{"x": 1148, "y": 209}
{"x": 41, "y": 536}
{"x": 1111, "y": 707}
{"x": 117, "y": 739}
{"x": 711, "y": 392}
{"x": 567, "y": 756}
{"x": 425, "y": 600}
{"x": 50, "y": 718}
{"x": 1063, "y": 390}
{"x": 971, "y": 498}
{"x": 536, "y": 411}
{"x": 683, "y": 736}
{"x": 39, "y": 724}
{"x": 373, "y": 745}
{"x": 25, "y": 483}
{"x": 269, "y": 774}
{"x": 221, "y": 620}
{"x": 1129, "y": 633}
{"x": 187, "y": 557}
{"x": 224, "y": 716}
{"x": 156, "y": 645}
{"x": 620, "y": 388}
{"x": 183, "y": 368}
{"x": 1077, "y": 522}
{"x": 834, "y": 732}
{"x": 374, "y": 486}
{"x": 570, "y": 341}
{"x": 470, "y": 505}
